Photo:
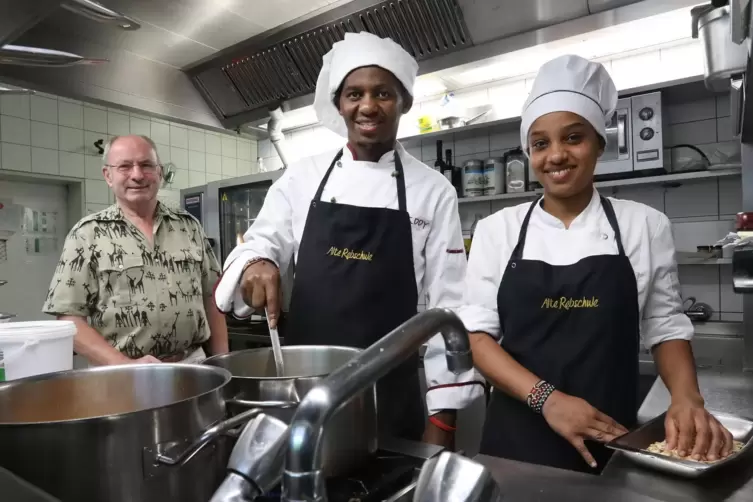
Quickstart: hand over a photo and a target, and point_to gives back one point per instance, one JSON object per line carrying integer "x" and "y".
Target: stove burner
{"x": 383, "y": 477}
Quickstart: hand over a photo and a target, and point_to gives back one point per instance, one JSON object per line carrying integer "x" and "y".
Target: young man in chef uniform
{"x": 369, "y": 227}
{"x": 570, "y": 284}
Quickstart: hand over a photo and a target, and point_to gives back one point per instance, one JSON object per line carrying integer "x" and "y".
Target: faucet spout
{"x": 303, "y": 479}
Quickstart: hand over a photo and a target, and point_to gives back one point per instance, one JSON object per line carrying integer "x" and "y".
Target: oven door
{"x": 617, "y": 156}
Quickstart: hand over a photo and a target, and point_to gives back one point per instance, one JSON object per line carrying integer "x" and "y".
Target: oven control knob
{"x": 646, "y": 113}
{"x": 647, "y": 133}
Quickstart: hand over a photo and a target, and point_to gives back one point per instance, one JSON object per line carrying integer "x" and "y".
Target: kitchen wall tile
{"x": 160, "y": 132}
{"x": 16, "y": 157}
{"x": 245, "y": 167}
{"x": 196, "y": 140}
{"x": 731, "y": 301}
{"x": 651, "y": 196}
{"x": 730, "y": 196}
{"x": 229, "y": 147}
{"x": 214, "y": 163}
{"x": 265, "y": 148}
{"x": 71, "y": 140}
{"x": 140, "y": 126}
{"x": 472, "y": 143}
{"x": 163, "y": 151}
{"x": 44, "y": 161}
{"x": 689, "y": 235}
{"x": 196, "y": 178}
{"x": 70, "y": 114}
{"x": 178, "y": 136}
{"x": 197, "y": 160}
{"x": 44, "y": 109}
{"x": 15, "y": 130}
{"x": 701, "y": 282}
{"x": 93, "y": 167}
{"x": 469, "y": 210}
{"x": 95, "y": 208}
{"x": 229, "y": 166}
{"x": 95, "y": 119}
{"x": 71, "y": 164}
{"x": 97, "y": 192}
{"x": 694, "y": 133}
{"x": 15, "y": 106}
{"x": 691, "y": 111}
{"x": 179, "y": 157}
{"x": 722, "y": 105}
{"x": 213, "y": 177}
{"x": 272, "y": 164}
{"x": 504, "y": 140}
{"x": 244, "y": 149}
{"x": 415, "y": 151}
{"x": 44, "y": 135}
{"x": 180, "y": 181}
{"x": 213, "y": 143}
{"x": 700, "y": 198}
{"x": 724, "y": 129}
{"x": 92, "y": 137}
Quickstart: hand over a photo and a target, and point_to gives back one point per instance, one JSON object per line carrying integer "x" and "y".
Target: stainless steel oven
{"x": 227, "y": 208}
{"x": 635, "y": 143}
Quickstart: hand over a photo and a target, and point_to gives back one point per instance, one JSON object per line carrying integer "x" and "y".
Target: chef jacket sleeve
{"x": 445, "y": 268}
{"x": 271, "y": 234}
{"x": 663, "y": 317}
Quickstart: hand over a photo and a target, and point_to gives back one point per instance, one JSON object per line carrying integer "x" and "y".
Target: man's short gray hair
{"x": 112, "y": 141}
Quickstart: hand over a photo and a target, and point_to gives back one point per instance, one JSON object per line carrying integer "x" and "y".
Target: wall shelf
{"x": 720, "y": 171}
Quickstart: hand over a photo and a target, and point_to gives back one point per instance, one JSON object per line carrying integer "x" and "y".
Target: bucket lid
{"x": 40, "y": 329}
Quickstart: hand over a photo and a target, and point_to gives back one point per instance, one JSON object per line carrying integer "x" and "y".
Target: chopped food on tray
{"x": 660, "y": 447}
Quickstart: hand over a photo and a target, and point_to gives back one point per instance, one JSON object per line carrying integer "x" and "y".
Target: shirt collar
{"x": 584, "y": 219}
{"x": 388, "y": 159}
{"x": 114, "y": 213}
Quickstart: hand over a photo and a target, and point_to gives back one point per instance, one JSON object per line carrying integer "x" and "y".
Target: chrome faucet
{"x": 303, "y": 479}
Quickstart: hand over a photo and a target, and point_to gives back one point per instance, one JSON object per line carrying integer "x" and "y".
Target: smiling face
{"x": 371, "y": 101}
{"x": 564, "y": 149}
{"x": 133, "y": 171}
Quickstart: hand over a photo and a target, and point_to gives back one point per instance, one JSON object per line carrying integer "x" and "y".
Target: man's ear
{"x": 407, "y": 103}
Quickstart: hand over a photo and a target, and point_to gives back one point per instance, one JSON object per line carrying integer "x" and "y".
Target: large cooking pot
{"x": 133, "y": 433}
{"x": 351, "y": 435}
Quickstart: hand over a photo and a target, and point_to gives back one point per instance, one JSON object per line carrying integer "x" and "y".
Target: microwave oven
{"x": 635, "y": 139}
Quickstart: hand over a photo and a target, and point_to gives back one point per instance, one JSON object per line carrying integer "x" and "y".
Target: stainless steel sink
{"x": 406, "y": 494}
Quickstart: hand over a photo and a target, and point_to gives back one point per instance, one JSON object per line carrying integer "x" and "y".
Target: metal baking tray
{"x": 633, "y": 445}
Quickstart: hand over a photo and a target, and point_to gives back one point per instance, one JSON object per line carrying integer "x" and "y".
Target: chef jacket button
{"x": 512, "y": 264}
{"x": 604, "y": 236}
{"x": 339, "y": 164}
{"x": 333, "y": 200}
{"x": 395, "y": 174}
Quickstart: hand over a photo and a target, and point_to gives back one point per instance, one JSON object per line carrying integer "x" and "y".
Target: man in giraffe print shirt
{"x": 137, "y": 278}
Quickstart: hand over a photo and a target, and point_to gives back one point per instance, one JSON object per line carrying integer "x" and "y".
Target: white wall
{"x": 55, "y": 136}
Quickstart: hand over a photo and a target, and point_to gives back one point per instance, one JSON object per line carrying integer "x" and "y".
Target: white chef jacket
{"x": 439, "y": 259}
{"x": 646, "y": 238}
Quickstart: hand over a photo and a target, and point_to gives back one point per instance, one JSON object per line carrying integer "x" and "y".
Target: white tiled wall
{"x": 55, "y": 136}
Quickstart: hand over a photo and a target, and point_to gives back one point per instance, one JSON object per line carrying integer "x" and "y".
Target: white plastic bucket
{"x": 36, "y": 347}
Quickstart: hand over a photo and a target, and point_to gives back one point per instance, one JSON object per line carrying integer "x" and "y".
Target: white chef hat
{"x": 356, "y": 51}
{"x": 571, "y": 84}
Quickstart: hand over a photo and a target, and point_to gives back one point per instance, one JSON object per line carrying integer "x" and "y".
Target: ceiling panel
{"x": 273, "y": 13}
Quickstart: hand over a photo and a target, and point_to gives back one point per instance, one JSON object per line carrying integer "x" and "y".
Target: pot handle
{"x": 208, "y": 436}
{"x": 261, "y": 404}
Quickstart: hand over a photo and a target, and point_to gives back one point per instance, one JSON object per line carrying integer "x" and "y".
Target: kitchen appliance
{"x": 724, "y": 58}
{"x": 132, "y": 433}
{"x": 634, "y": 143}
{"x": 473, "y": 178}
{"x": 450, "y": 477}
{"x": 227, "y": 208}
{"x": 352, "y": 436}
{"x": 494, "y": 176}
{"x": 516, "y": 171}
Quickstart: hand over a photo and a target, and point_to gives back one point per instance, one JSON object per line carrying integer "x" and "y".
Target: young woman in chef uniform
{"x": 560, "y": 292}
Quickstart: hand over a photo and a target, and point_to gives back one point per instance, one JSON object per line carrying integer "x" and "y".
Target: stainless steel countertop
{"x": 622, "y": 480}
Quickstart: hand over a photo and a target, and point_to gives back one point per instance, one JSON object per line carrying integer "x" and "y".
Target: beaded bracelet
{"x": 538, "y": 395}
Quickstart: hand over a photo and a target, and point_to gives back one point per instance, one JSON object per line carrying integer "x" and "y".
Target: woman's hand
{"x": 576, "y": 420}
{"x": 694, "y": 431}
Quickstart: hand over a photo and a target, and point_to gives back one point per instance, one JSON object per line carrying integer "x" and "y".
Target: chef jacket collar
{"x": 585, "y": 219}
{"x": 388, "y": 159}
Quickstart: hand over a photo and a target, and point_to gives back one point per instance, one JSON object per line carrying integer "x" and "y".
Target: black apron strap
{"x": 612, "y": 218}
{"x": 320, "y": 190}
{"x": 517, "y": 253}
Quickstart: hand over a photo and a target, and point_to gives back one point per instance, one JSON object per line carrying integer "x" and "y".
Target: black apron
{"x": 577, "y": 327}
{"x": 354, "y": 283}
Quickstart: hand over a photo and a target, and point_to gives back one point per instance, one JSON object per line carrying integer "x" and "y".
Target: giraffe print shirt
{"x": 142, "y": 299}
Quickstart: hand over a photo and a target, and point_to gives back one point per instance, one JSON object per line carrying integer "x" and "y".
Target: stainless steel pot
{"x": 134, "y": 433}
{"x": 351, "y": 436}
{"x": 724, "y": 57}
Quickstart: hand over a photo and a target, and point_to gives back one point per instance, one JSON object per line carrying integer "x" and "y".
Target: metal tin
{"x": 633, "y": 445}
{"x": 494, "y": 176}
{"x": 473, "y": 178}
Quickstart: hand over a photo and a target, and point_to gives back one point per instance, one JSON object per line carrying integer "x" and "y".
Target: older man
{"x": 137, "y": 278}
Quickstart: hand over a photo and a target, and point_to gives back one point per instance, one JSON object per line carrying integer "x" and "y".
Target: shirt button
{"x": 120, "y": 266}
